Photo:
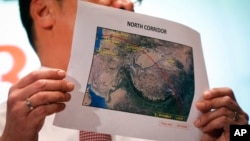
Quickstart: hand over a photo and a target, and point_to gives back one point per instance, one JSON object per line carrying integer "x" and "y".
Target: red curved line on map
{"x": 165, "y": 76}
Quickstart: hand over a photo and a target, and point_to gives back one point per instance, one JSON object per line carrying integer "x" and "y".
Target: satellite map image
{"x": 140, "y": 75}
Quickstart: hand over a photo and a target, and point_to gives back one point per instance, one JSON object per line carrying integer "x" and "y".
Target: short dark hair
{"x": 27, "y": 21}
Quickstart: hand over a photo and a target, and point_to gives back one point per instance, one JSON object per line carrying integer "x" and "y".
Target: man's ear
{"x": 41, "y": 13}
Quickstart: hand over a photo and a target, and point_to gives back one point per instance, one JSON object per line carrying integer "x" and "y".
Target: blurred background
{"x": 224, "y": 26}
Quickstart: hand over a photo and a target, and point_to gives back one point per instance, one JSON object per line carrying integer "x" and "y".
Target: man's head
{"x": 24, "y": 6}
{"x": 50, "y": 23}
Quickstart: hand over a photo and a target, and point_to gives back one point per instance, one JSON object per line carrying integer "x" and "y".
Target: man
{"x": 49, "y": 25}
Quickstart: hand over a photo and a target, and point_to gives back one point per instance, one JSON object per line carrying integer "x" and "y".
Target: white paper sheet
{"x": 135, "y": 75}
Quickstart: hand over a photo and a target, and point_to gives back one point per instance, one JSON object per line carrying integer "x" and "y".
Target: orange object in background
{"x": 19, "y": 60}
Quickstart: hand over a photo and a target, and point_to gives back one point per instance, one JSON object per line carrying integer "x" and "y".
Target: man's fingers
{"x": 219, "y": 123}
{"x": 226, "y": 101}
{"x": 56, "y": 74}
{"x": 43, "y": 85}
{"x": 207, "y": 137}
{"x": 45, "y": 98}
{"x": 209, "y": 116}
{"x": 42, "y": 111}
{"x": 218, "y": 92}
{"x": 220, "y": 118}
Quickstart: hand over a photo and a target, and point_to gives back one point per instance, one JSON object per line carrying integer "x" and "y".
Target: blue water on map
{"x": 98, "y": 38}
{"x": 96, "y": 101}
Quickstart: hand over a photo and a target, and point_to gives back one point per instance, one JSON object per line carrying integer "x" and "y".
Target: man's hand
{"x": 220, "y": 110}
{"x": 31, "y": 99}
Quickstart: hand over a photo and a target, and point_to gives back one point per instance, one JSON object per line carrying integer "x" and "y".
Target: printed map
{"x": 140, "y": 75}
